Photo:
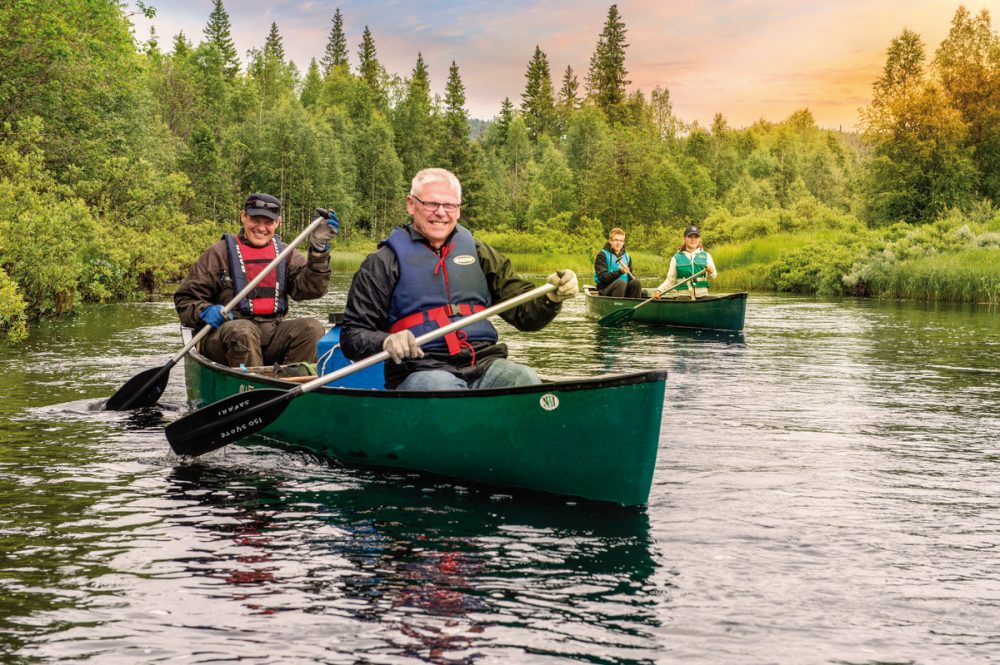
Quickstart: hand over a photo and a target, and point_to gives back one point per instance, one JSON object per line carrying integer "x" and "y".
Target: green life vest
{"x": 687, "y": 266}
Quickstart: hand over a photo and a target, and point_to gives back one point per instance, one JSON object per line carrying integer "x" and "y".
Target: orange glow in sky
{"x": 745, "y": 59}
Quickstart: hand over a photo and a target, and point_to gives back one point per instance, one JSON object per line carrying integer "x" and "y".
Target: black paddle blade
{"x": 143, "y": 389}
{"x": 616, "y": 317}
{"x": 227, "y": 420}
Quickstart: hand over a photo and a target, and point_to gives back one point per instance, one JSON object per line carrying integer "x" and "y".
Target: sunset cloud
{"x": 742, "y": 58}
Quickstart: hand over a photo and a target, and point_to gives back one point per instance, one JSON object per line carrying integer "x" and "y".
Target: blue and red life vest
{"x": 245, "y": 263}
{"x": 435, "y": 289}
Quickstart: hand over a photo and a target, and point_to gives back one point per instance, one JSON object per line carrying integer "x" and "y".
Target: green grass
{"x": 971, "y": 275}
{"x": 759, "y": 250}
{"x": 965, "y": 276}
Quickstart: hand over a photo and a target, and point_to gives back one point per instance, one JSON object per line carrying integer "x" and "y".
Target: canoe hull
{"x": 552, "y": 438}
{"x": 713, "y": 312}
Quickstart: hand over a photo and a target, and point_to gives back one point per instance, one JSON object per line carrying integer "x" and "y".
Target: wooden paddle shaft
{"x": 289, "y": 248}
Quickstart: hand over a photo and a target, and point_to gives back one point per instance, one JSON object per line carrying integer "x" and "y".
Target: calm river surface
{"x": 827, "y": 491}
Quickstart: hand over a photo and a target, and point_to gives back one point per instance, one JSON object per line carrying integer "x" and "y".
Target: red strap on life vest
{"x": 442, "y": 317}
{"x": 443, "y": 267}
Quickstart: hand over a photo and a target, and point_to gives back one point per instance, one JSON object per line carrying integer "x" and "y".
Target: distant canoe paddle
{"x": 622, "y": 315}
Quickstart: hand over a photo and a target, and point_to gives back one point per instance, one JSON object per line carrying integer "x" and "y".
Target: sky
{"x": 746, "y": 59}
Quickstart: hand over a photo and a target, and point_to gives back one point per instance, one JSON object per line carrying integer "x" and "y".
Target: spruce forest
{"x": 121, "y": 160}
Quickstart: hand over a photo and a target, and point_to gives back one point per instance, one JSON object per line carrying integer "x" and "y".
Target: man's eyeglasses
{"x": 432, "y": 206}
{"x": 265, "y": 205}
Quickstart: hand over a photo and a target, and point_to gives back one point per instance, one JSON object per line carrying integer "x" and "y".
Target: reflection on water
{"x": 433, "y": 578}
{"x": 825, "y": 492}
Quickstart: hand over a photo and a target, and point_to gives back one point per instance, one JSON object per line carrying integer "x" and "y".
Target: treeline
{"x": 121, "y": 160}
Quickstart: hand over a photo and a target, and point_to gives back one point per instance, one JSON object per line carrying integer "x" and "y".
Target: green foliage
{"x": 551, "y": 189}
{"x": 335, "y": 54}
{"x": 148, "y": 155}
{"x": 370, "y": 69}
{"x": 814, "y": 268}
{"x": 218, "y": 33}
{"x": 606, "y": 80}
{"x": 934, "y": 132}
{"x": 73, "y": 64}
{"x": 968, "y": 66}
{"x": 415, "y": 127}
{"x": 538, "y": 99}
{"x": 13, "y": 315}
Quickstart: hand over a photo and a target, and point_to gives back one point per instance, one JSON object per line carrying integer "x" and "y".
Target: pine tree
{"x": 218, "y": 33}
{"x": 273, "y": 47}
{"x": 503, "y": 120}
{"x": 606, "y": 79}
{"x": 312, "y": 85}
{"x": 270, "y": 73}
{"x": 456, "y": 121}
{"x": 567, "y": 94}
{"x": 460, "y": 155}
{"x": 182, "y": 47}
{"x": 370, "y": 69}
{"x": 414, "y": 127}
{"x": 336, "y": 46}
{"x": 537, "y": 100}
{"x": 567, "y": 101}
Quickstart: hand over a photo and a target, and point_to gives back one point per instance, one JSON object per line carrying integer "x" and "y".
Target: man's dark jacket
{"x": 366, "y": 317}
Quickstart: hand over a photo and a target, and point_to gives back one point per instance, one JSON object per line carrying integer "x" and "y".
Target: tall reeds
{"x": 966, "y": 276}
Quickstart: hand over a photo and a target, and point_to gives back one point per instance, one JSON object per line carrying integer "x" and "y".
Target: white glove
{"x": 402, "y": 345}
{"x": 323, "y": 234}
{"x": 566, "y": 281}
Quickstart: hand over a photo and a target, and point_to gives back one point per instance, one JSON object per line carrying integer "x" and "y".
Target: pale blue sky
{"x": 747, "y": 59}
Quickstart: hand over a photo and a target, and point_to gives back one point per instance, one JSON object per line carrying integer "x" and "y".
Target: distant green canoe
{"x": 567, "y": 437}
{"x": 711, "y": 312}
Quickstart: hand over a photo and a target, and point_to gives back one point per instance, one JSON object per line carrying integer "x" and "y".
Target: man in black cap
{"x": 256, "y": 333}
{"x": 691, "y": 258}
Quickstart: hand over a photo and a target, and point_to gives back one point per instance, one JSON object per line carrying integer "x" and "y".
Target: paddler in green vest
{"x": 690, "y": 258}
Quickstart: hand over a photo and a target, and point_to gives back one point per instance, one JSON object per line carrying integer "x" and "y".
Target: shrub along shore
{"x": 809, "y": 249}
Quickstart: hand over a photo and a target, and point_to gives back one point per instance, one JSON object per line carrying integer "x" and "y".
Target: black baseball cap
{"x": 691, "y": 231}
{"x": 263, "y": 205}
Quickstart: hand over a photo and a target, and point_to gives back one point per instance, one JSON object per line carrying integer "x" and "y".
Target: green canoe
{"x": 592, "y": 438}
{"x": 711, "y": 312}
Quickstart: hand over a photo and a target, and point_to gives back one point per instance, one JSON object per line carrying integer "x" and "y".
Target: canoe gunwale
{"x": 568, "y": 384}
{"x": 591, "y": 292}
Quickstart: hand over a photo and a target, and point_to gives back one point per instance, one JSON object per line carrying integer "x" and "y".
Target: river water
{"x": 826, "y": 492}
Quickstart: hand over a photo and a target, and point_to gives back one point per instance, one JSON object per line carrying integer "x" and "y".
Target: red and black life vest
{"x": 435, "y": 289}
{"x": 245, "y": 263}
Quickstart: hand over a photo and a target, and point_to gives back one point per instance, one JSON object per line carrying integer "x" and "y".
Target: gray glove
{"x": 566, "y": 281}
{"x": 324, "y": 233}
{"x": 402, "y": 345}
